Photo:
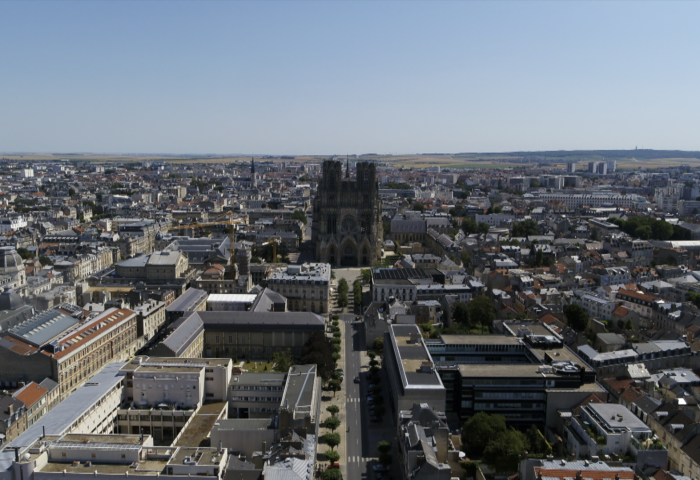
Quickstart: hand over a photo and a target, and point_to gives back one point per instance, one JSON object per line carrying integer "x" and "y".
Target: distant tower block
{"x": 570, "y": 167}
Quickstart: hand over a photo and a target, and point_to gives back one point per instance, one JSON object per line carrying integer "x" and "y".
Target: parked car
{"x": 357, "y": 379}
{"x": 380, "y": 468}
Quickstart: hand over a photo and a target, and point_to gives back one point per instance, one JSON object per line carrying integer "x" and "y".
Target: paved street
{"x": 358, "y": 450}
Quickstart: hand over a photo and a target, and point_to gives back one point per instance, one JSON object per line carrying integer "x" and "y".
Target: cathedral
{"x": 347, "y": 226}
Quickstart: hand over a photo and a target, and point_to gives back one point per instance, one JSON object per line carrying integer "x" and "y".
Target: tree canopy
{"x": 648, "y": 228}
{"x": 481, "y": 311}
{"x": 504, "y": 450}
{"x": 332, "y": 456}
{"x": 479, "y": 430}
{"x": 300, "y": 215}
{"x": 576, "y": 317}
{"x": 460, "y": 313}
{"x": 332, "y": 423}
{"x": 318, "y": 350}
{"x": 332, "y": 474}
{"x": 332, "y": 440}
{"x": 282, "y": 360}
{"x": 524, "y": 228}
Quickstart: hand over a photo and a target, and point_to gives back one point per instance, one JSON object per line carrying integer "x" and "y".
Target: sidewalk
{"x": 340, "y": 400}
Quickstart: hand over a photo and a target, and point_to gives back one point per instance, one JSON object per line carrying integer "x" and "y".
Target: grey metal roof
{"x": 183, "y": 332}
{"x": 242, "y": 321}
{"x": 43, "y": 327}
{"x": 188, "y": 301}
{"x": 60, "y": 419}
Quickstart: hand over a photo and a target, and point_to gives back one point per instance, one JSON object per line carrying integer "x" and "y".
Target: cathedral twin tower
{"x": 347, "y": 227}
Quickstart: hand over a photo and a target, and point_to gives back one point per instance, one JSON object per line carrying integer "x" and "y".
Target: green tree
{"x": 481, "y": 311}
{"x": 333, "y": 409}
{"x": 466, "y": 259}
{"x": 366, "y": 275}
{"x": 384, "y": 446}
{"x": 536, "y": 442}
{"x": 479, "y": 430}
{"x": 357, "y": 292}
{"x": 282, "y": 360}
{"x": 342, "y": 293}
{"x": 643, "y": 231}
{"x": 331, "y": 474}
{"x": 24, "y": 253}
{"x": 300, "y": 215}
{"x": 378, "y": 345}
{"x": 332, "y": 456}
{"x": 469, "y": 226}
{"x": 419, "y": 207}
{"x": 595, "y": 236}
{"x": 482, "y": 228}
{"x": 332, "y": 423}
{"x": 504, "y": 450}
{"x": 318, "y": 350}
{"x": 71, "y": 191}
{"x": 524, "y": 228}
{"x": 460, "y": 313}
{"x": 576, "y": 317}
{"x": 334, "y": 385}
{"x": 45, "y": 261}
{"x": 332, "y": 440}
{"x": 539, "y": 258}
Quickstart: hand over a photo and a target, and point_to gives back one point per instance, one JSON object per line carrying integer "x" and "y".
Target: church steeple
{"x": 347, "y": 165}
{"x": 252, "y": 166}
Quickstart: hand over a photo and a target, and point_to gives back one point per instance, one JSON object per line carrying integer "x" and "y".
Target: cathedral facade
{"x": 347, "y": 225}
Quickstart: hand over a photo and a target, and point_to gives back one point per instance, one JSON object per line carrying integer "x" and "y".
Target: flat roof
{"x": 243, "y": 424}
{"x": 412, "y": 357}
{"x": 198, "y": 429}
{"x": 480, "y": 340}
{"x": 299, "y": 391}
{"x": 486, "y": 370}
{"x": 614, "y": 415}
{"x": 258, "y": 378}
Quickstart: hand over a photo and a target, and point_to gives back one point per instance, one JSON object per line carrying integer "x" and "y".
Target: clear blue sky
{"x": 327, "y": 77}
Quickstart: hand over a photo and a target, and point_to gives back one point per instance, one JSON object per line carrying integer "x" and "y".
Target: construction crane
{"x": 274, "y": 240}
{"x": 231, "y": 222}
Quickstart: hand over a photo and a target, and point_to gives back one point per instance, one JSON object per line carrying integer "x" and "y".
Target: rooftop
{"x": 198, "y": 429}
{"x": 415, "y": 364}
{"x": 188, "y": 301}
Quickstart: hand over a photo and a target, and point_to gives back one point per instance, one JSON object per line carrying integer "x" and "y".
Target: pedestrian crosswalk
{"x": 353, "y": 400}
{"x": 356, "y": 459}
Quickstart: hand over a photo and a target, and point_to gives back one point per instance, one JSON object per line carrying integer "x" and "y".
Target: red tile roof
{"x": 30, "y": 394}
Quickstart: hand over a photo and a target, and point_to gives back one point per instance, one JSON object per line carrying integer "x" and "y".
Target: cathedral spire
{"x": 252, "y": 165}
{"x": 347, "y": 165}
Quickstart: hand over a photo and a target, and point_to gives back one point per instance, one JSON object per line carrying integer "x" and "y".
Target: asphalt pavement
{"x": 358, "y": 450}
